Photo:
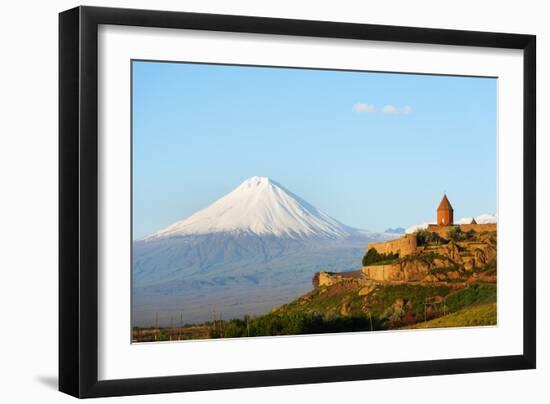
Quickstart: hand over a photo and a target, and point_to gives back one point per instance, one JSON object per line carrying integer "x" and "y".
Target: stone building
{"x": 445, "y": 212}
{"x": 407, "y": 244}
{"x": 445, "y": 219}
{"x": 470, "y": 254}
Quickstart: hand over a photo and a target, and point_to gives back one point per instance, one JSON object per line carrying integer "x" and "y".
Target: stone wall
{"x": 408, "y": 271}
{"x": 478, "y": 228}
{"x": 332, "y": 278}
{"x": 403, "y": 246}
{"x": 327, "y": 279}
{"x": 382, "y": 273}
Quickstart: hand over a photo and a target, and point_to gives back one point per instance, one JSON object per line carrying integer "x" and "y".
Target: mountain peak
{"x": 256, "y": 181}
{"x": 259, "y": 206}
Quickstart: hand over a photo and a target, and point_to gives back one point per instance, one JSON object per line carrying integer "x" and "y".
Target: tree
{"x": 372, "y": 257}
{"x": 423, "y": 237}
{"x": 456, "y": 234}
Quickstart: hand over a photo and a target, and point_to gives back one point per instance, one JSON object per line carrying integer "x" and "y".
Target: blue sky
{"x": 372, "y": 150}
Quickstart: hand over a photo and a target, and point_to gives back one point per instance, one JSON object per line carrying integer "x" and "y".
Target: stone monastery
{"x": 445, "y": 252}
{"x": 407, "y": 244}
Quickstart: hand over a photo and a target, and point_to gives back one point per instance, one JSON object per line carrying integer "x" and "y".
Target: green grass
{"x": 378, "y": 303}
{"x": 485, "y": 314}
{"x": 477, "y": 293}
{"x": 327, "y": 302}
{"x": 320, "y": 311}
{"x": 384, "y": 296}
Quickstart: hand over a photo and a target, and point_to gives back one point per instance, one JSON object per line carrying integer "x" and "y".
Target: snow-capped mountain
{"x": 262, "y": 207}
{"x": 251, "y": 250}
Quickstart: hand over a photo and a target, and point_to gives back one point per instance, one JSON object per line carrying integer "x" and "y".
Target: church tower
{"x": 445, "y": 212}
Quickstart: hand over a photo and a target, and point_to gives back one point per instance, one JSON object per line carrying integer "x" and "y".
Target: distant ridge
{"x": 395, "y": 230}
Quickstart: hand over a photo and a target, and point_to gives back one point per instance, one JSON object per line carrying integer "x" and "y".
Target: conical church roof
{"x": 445, "y": 204}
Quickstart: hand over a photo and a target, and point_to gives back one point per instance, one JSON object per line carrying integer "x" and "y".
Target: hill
{"x": 348, "y": 306}
{"x": 484, "y": 314}
{"x": 443, "y": 279}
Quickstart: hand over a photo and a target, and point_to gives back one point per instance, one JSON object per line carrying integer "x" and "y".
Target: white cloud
{"x": 392, "y": 109}
{"x": 480, "y": 219}
{"x": 406, "y": 109}
{"x": 389, "y": 109}
{"x": 362, "y": 107}
{"x": 417, "y": 227}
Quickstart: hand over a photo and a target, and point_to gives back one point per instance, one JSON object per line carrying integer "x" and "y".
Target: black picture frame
{"x": 78, "y": 201}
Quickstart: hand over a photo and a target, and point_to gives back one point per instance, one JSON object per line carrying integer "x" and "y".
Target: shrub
{"x": 456, "y": 234}
{"x": 372, "y": 257}
{"x": 234, "y": 328}
{"x": 430, "y": 256}
{"x": 422, "y": 237}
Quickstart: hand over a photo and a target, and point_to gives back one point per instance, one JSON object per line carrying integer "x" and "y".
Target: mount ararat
{"x": 251, "y": 250}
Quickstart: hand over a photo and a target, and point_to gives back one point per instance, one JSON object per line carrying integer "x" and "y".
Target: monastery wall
{"x": 404, "y": 245}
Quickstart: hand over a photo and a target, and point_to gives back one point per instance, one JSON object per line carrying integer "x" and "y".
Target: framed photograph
{"x": 250, "y": 201}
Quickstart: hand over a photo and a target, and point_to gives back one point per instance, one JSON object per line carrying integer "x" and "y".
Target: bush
{"x": 423, "y": 237}
{"x": 456, "y": 234}
{"x": 372, "y": 257}
{"x": 234, "y": 328}
{"x": 296, "y": 323}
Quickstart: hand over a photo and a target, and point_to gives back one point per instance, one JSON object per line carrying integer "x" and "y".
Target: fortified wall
{"x": 415, "y": 263}
{"x": 405, "y": 245}
{"x": 384, "y": 273}
{"x": 478, "y": 228}
{"x": 331, "y": 278}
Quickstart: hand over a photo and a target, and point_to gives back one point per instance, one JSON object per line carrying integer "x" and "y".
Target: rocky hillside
{"x": 350, "y": 306}
{"x": 389, "y": 306}
{"x": 462, "y": 257}
{"x": 444, "y": 284}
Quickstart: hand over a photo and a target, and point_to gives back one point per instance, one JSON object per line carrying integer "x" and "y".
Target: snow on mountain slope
{"x": 259, "y": 206}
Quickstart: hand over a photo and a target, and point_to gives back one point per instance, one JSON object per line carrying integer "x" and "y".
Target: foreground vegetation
{"x": 344, "y": 308}
{"x": 451, "y": 292}
{"x": 485, "y": 314}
